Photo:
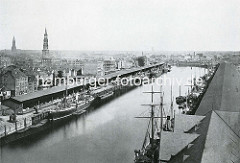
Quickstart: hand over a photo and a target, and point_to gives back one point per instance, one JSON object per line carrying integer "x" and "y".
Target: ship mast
{"x": 65, "y": 98}
{"x": 161, "y": 111}
{"x": 191, "y": 79}
{"x": 161, "y": 123}
{"x": 152, "y": 115}
{"x": 152, "y": 112}
{"x": 140, "y": 155}
{"x": 171, "y": 103}
{"x": 180, "y": 90}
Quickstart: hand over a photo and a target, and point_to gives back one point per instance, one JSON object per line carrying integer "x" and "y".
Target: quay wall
{"x": 28, "y": 131}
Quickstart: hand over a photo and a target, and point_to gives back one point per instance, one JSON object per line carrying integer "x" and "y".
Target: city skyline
{"x": 122, "y": 26}
{"x": 123, "y": 81}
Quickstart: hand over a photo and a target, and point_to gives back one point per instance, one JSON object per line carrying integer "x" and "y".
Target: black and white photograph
{"x": 119, "y": 81}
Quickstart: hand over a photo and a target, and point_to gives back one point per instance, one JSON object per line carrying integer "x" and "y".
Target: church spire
{"x": 46, "y": 59}
{"x": 14, "y": 45}
{"x": 45, "y": 40}
{"x": 45, "y": 31}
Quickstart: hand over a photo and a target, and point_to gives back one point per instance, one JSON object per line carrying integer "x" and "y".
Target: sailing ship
{"x": 193, "y": 95}
{"x": 170, "y": 120}
{"x": 150, "y": 149}
{"x": 149, "y": 153}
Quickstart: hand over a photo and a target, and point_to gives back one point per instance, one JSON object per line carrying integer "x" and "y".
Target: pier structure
{"x": 44, "y": 100}
{"x": 134, "y": 71}
{"x": 205, "y": 64}
{"x": 213, "y": 133}
{"x": 46, "y": 96}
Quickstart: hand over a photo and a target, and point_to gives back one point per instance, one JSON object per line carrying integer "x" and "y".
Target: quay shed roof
{"x": 174, "y": 142}
{"x": 42, "y": 93}
{"x": 128, "y": 71}
{"x": 223, "y": 92}
{"x": 61, "y": 88}
{"x": 221, "y": 144}
{"x": 219, "y": 131}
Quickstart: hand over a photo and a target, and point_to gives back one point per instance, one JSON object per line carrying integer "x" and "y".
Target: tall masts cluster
{"x": 149, "y": 152}
{"x": 152, "y": 113}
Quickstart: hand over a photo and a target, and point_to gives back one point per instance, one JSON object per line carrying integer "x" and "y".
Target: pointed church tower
{"x": 46, "y": 59}
{"x": 45, "y": 41}
{"x": 14, "y": 45}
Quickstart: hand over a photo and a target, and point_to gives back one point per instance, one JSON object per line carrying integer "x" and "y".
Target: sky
{"x": 121, "y": 25}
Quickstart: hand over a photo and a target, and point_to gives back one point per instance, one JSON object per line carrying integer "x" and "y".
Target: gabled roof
{"x": 186, "y": 122}
{"x": 16, "y": 73}
{"x": 195, "y": 151}
{"x": 174, "y": 142}
{"x": 223, "y": 92}
{"x": 39, "y": 94}
{"x": 219, "y": 131}
{"x": 222, "y": 144}
{"x": 220, "y": 136}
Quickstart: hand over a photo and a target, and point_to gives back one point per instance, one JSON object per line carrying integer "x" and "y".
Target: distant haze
{"x": 121, "y": 25}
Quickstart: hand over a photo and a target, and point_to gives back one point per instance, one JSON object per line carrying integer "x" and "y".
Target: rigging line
{"x": 156, "y": 124}
{"x": 163, "y": 112}
{"x": 147, "y": 133}
{"x": 143, "y": 112}
{"x": 158, "y": 112}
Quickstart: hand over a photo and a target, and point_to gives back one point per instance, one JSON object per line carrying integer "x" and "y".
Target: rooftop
{"x": 216, "y": 123}
{"x": 61, "y": 88}
{"x": 41, "y": 93}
